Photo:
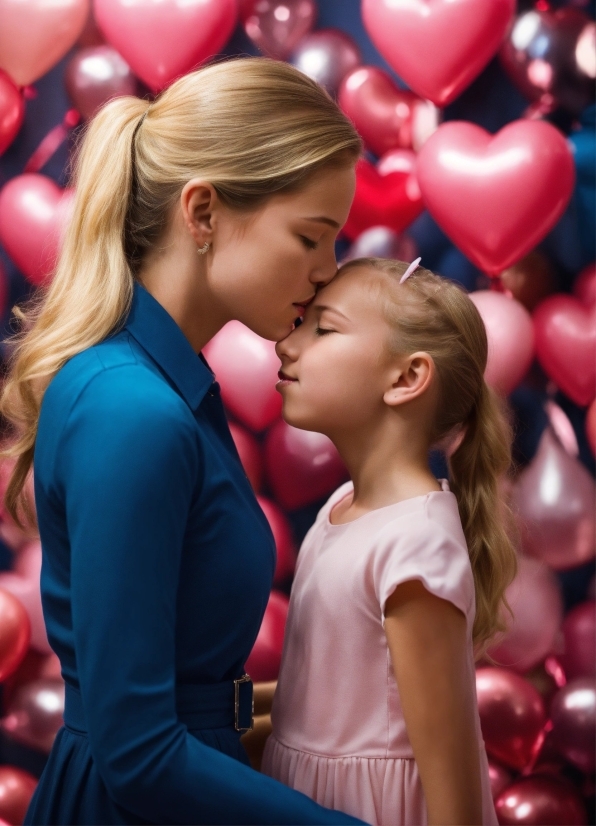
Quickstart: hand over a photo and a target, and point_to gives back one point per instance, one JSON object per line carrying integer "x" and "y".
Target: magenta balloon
{"x": 161, "y": 41}
{"x": 591, "y": 426}
{"x": 12, "y": 111}
{"x": 302, "y": 466}
{"x": 284, "y": 542}
{"x": 249, "y": 451}
{"x": 496, "y": 196}
{"x": 265, "y": 657}
{"x": 327, "y": 56}
{"x": 27, "y": 591}
{"x": 541, "y": 801}
{"x": 276, "y": 27}
{"x": 499, "y": 777}
{"x": 554, "y": 499}
{"x": 458, "y": 38}
{"x": 573, "y": 713}
{"x": 510, "y": 339}
{"x": 382, "y": 242}
{"x": 584, "y": 286}
{"x": 579, "y": 634}
{"x": 95, "y": 75}
{"x": 246, "y": 367}
{"x": 535, "y": 599}
{"x": 35, "y": 713}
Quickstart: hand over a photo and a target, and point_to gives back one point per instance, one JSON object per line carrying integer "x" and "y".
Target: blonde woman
{"x": 221, "y": 200}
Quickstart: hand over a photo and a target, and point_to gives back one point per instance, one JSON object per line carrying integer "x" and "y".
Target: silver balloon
{"x": 327, "y": 56}
{"x": 35, "y": 713}
{"x": 382, "y": 242}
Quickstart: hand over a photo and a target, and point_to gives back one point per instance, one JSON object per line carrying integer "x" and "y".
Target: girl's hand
{"x": 428, "y": 644}
{"x": 254, "y": 741}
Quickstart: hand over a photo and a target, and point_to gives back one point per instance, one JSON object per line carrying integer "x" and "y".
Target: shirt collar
{"x": 157, "y": 332}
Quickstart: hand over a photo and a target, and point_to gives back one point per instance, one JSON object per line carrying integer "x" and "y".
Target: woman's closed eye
{"x": 309, "y": 243}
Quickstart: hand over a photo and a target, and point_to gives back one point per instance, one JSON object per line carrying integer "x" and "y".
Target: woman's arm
{"x": 427, "y": 640}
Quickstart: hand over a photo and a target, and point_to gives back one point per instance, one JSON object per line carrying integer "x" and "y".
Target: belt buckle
{"x": 239, "y": 691}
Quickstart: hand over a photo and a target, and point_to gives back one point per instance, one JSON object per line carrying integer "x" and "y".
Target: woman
{"x": 157, "y": 561}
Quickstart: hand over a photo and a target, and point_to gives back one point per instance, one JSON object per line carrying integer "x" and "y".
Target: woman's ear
{"x": 198, "y": 200}
{"x": 410, "y": 379}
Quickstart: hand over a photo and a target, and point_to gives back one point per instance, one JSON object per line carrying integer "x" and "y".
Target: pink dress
{"x": 339, "y": 733}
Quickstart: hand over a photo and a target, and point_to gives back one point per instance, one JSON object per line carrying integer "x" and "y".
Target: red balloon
{"x": 35, "y": 714}
{"x": 512, "y": 716}
{"x": 496, "y": 196}
{"x": 510, "y": 339}
{"x": 499, "y": 777}
{"x": 302, "y": 466}
{"x": 15, "y": 633}
{"x": 94, "y": 76}
{"x": 541, "y": 801}
{"x": 565, "y": 344}
{"x": 27, "y": 591}
{"x": 437, "y": 47}
{"x": 16, "y": 790}
{"x": 12, "y": 111}
{"x": 265, "y": 657}
{"x": 530, "y": 280}
{"x": 276, "y": 27}
{"x": 579, "y": 634}
{"x": 386, "y": 195}
{"x": 584, "y": 287}
{"x": 591, "y": 426}
{"x": 386, "y": 116}
{"x": 35, "y": 666}
{"x": 162, "y": 41}
{"x": 250, "y": 455}
{"x": 284, "y": 542}
{"x": 246, "y": 367}
{"x": 573, "y": 713}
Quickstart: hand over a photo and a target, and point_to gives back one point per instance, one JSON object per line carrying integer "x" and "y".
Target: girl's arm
{"x": 427, "y": 640}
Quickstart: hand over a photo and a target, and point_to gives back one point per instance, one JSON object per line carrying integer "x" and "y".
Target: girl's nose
{"x": 287, "y": 348}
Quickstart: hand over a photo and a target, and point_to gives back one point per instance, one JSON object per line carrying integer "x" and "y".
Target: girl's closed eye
{"x": 322, "y": 331}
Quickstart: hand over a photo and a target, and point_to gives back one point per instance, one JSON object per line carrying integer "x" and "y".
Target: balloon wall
{"x": 478, "y": 119}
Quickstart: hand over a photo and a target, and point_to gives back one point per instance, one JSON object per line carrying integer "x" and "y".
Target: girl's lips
{"x": 284, "y": 380}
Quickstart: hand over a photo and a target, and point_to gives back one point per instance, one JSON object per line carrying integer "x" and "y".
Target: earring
{"x": 204, "y": 248}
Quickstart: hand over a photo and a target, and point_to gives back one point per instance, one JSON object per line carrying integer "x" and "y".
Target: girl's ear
{"x": 411, "y": 379}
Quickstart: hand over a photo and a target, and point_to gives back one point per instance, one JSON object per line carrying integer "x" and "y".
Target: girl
{"x": 400, "y": 579}
{"x": 157, "y": 560}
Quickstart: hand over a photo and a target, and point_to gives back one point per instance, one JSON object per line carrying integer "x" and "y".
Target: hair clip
{"x": 410, "y": 270}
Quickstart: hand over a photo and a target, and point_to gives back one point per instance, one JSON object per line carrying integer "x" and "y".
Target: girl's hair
{"x": 252, "y": 127}
{"x": 435, "y": 315}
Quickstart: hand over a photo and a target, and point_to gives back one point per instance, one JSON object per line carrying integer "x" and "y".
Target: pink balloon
{"x": 541, "y": 801}
{"x": 302, "y": 466}
{"x": 284, "y": 542}
{"x": 250, "y": 455}
{"x": 162, "y": 41}
{"x": 265, "y": 657}
{"x": 28, "y": 561}
{"x": 27, "y": 591}
{"x": 15, "y": 633}
{"x": 554, "y": 499}
{"x": 4, "y": 290}
{"x": 499, "y": 778}
{"x": 35, "y": 713}
{"x": 386, "y": 116}
{"x": 382, "y": 242}
{"x": 327, "y": 56}
{"x": 562, "y": 427}
{"x": 591, "y": 426}
{"x": 535, "y": 599}
{"x": 496, "y": 196}
{"x": 277, "y": 26}
{"x": 437, "y": 46}
{"x": 510, "y": 339}
{"x": 12, "y": 111}
{"x": 16, "y": 790}
{"x": 95, "y": 75}
{"x": 34, "y": 212}
{"x": 573, "y": 713}
{"x": 565, "y": 345}
{"x": 246, "y": 367}
{"x": 34, "y": 35}
{"x": 584, "y": 287}
{"x": 579, "y": 640}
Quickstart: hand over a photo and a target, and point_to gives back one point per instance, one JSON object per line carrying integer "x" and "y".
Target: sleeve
{"x": 128, "y": 465}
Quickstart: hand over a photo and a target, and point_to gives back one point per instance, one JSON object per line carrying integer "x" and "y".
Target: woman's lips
{"x": 300, "y": 310}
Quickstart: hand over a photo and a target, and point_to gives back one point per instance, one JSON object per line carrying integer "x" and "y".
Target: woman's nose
{"x": 324, "y": 272}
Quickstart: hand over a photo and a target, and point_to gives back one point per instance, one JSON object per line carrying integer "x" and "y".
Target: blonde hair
{"x": 252, "y": 127}
{"x": 435, "y": 315}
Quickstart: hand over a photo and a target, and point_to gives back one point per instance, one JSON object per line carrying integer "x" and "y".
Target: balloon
{"x": 94, "y": 76}
{"x": 16, "y": 790}
{"x": 386, "y": 195}
{"x": 565, "y": 331}
{"x": 535, "y": 599}
{"x": 437, "y": 47}
{"x": 327, "y": 56}
{"x": 584, "y": 287}
{"x": 27, "y": 591}
{"x": 496, "y": 196}
{"x": 34, "y": 666}
{"x": 573, "y": 713}
{"x": 35, "y": 714}
{"x": 544, "y": 682}
{"x": 510, "y": 339}
{"x": 12, "y": 111}
{"x": 554, "y": 499}
{"x": 265, "y": 657}
{"x": 284, "y": 543}
{"x": 277, "y": 26}
{"x": 161, "y": 41}
{"x": 90, "y": 36}
{"x": 386, "y": 116}
{"x": 541, "y": 801}
{"x": 591, "y": 426}
{"x": 382, "y": 242}
{"x": 530, "y": 279}
{"x": 302, "y": 466}
{"x": 246, "y": 367}
{"x": 512, "y": 716}
{"x": 250, "y": 455}
{"x": 579, "y": 634}
{"x": 562, "y": 427}
{"x": 549, "y": 55}
{"x": 499, "y": 778}
{"x": 4, "y": 292}
{"x": 15, "y": 633}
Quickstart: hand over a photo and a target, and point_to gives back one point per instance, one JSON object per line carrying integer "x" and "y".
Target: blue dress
{"x": 157, "y": 566}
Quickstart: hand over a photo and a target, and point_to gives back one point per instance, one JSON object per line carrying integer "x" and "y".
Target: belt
{"x": 198, "y": 706}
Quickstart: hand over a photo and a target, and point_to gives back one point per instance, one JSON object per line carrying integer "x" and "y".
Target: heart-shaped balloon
{"x": 277, "y": 26}
{"x": 12, "y": 111}
{"x": 496, "y": 196}
{"x": 437, "y": 46}
{"x": 565, "y": 331}
{"x": 95, "y": 75}
{"x": 34, "y": 35}
{"x": 161, "y": 41}
{"x": 386, "y": 116}
{"x": 246, "y": 367}
{"x": 584, "y": 286}
{"x": 284, "y": 543}
{"x": 530, "y": 279}
{"x": 302, "y": 466}
{"x": 386, "y": 195}
{"x": 34, "y": 212}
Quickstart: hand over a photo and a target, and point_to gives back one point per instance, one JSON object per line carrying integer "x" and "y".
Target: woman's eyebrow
{"x": 322, "y": 219}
